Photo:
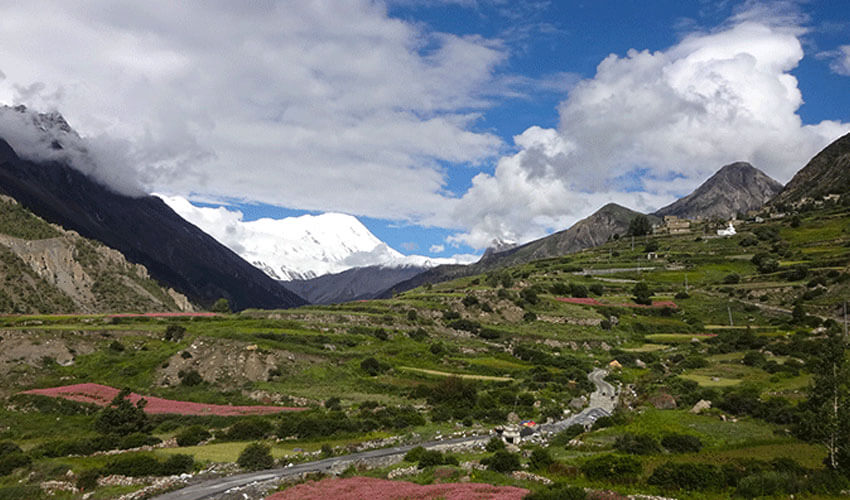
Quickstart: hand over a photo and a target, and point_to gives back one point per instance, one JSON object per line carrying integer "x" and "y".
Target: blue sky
{"x": 566, "y": 41}
{"x": 441, "y": 124}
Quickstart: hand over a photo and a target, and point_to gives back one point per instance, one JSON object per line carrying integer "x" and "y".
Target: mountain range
{"x": 144, "y": 229}
{"x": 319, "y": 259}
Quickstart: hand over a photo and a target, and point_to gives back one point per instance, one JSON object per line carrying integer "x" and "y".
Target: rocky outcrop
{"x": 735, "y": 188}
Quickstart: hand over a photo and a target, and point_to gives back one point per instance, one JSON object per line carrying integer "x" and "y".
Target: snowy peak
{"x": 298, "y": 248}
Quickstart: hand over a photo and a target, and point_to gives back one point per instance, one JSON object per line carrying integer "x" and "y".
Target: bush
{"x": 134, "y": 465}
{"x": 256, "y": 456}
{"x": 642, "y": 294}
{"x": 122, "y": 417}
{"x": 8, "y": 447}
{"x": 768, "y": 483}
{"x": 373, "y": 367}
{"x": 612, "y": 467}
{"x": 418, "y": 335}
{"x": 494, "y": 444}
{"x": 415, "y": 455}
{"x": 682, "y": 295}
{"x": 12, "y": 461}
{"x": 177, "y": 464}
{"x": 17, "y": 492}
{"x": 193, "y": 435}
{"x": 732, "y": 279}
{"x": 174, "y": 333}
{"x": 87, "y": 479}
{"x": 687, "y": 476}
{"x": 502, "y": 461}
{"x": 529, "y": 316}
{"x": 681, "y": 443}
{"x": 558, "y": 491}
{"x": 221, "y": 306}
{"x": 597, "y": 289}
{"x": 637, "y": 444}
{"x": 540, "y": 459}
{"x": 137, "y": 440}
{"x": 191, "y": 378}
{"x": 249, "y": 429}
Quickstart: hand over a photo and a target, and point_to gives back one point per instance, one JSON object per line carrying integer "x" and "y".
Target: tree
{"x": 640, "y": 226}
{"x": 222, "y": 306}
{"x": 642, "y": 294}
{"x": 123, "y": 417}
{"x": 256, "y": 456}
{"x": 825, "y": 416}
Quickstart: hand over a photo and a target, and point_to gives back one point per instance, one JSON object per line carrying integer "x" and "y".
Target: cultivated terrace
{"x": 728, "y": 353}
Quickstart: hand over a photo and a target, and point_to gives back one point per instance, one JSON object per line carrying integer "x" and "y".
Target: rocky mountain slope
{"x": 45, "y": 269}
{"x": 735, "y": 188}
{"x": 359, "y": 283}
{"x": 142, "y": 228}
{"x": 299, "y": 248}
{"x": 828, "y": 172}
{"x": 587, "y": 233}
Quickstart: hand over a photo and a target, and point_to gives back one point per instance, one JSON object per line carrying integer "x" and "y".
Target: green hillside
{"x": 744, "y": 322}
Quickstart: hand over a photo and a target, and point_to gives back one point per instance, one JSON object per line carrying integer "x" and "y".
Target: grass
{"x": 459, "y": 375}
{"x": 706, "y": 381}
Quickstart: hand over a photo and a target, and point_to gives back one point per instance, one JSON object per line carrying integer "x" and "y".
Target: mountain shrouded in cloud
{"x": 298, "y": 248}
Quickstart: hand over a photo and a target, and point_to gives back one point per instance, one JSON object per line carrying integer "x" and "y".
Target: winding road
{"x": 602, "y": 403}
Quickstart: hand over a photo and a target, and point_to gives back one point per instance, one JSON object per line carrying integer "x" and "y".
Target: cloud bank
{"x": 335, "y": 106}
{"x": 650, "y": 126}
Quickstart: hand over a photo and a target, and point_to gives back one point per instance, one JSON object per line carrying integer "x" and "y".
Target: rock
{"x": 578, "y": 403}
{"x": 513, "y": 418}
{"x": 640, "y": 364}
{"x": 663, "y": 401}
{"x": 701, "y": 406}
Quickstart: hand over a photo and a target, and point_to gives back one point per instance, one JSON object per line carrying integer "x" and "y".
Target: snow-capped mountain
{"x": 298, "y": 248}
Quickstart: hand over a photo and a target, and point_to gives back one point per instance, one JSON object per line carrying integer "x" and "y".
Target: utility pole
{"x": 845, "y": 320}
{"x": 729, "y": 310}
{"x": 686, "y": 283}
{"x": 633, "y": 243}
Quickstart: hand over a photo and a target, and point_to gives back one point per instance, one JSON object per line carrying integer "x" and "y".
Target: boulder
{"x": 701, "y": 406}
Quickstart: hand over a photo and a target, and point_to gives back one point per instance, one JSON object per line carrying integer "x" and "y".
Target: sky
{"x": 441, "y": 124}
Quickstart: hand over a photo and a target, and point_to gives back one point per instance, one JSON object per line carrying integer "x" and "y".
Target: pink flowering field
{"x": 367, "y": 488}
{"x": 103, "y": 394}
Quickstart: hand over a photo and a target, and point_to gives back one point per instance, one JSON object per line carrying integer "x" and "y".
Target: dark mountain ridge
{"x": 736, "y": 188}
{"x": 359, "y": 283}
{"x": 144, "y": 229}
{"x": 827, "y": 173}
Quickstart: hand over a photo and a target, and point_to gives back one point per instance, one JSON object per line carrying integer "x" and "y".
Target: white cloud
{"x": 437, "y": 249}
{"x": 675, "y": 116}
{"x": 840, "y": 57}
{"x": 310, "y": 104}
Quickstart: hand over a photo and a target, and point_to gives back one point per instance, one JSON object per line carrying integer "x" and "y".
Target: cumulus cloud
{"x": 650, "y": 126}
{"x": 437, "y": 249}
{"x": 310, "y": 104}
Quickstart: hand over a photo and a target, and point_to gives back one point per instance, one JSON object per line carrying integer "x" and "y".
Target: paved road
{"x": 602, "y": 402}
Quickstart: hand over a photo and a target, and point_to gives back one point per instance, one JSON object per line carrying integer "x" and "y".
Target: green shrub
{"x": 177, "y": 464}
{"x": 732, "y": 279}
{"x": 612, "y": 467}
{"x": 256, "y": 456}
{"x": 494, "y": 444}
{"x": 12, "y": 461}
{"x": 558, "y": 491}
{"x": 122, "y": 417}
{"x": 414, "y": 455}
{"x": 637, "y": 444}
{"x": 502, "y": 461}
{"x": 373, "y": 367}
{"x": 8, "y": 447}
{"x": 87, "y": 480}
{"x": 418, "y": 335}
{"x": 137, "y": 440}
{"x": 540, "y": 459}
{"x": 134, "y": 465}
{"x": 249, "y": 429}
{"x": 193, "y": 435}
{"x": 174, "y": 333}
{"x": 687, "y": 476}
{"x": 681, "y": 443}
{"x": 191, "y": 378}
